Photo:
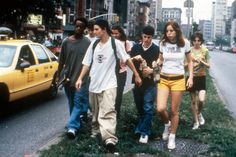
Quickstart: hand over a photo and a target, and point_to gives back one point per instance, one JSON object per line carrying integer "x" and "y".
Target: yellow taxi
{"x": 26, "y": 68}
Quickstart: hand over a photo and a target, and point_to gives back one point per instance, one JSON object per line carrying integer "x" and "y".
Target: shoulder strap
{"x": 117, "y": 68}
{"x": 114, "y": 47}
{"x": 94, "y": 46}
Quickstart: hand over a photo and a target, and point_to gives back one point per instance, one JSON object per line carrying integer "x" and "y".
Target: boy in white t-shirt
{"x": 103, "y": 82}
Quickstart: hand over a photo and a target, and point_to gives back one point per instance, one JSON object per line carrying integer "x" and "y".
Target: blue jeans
{"x": 78, "y": 104}
{"x": 144, "y": 100}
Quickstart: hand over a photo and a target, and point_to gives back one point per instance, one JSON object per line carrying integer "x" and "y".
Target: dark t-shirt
{"x": 150, "y": 55}
{"x": 72, "y": 54}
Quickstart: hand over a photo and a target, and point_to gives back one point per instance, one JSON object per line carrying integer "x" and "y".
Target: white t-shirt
{"x": 174, "y": 57}
{"x": 102, "y": 73}
{"x": 91, "y": 38}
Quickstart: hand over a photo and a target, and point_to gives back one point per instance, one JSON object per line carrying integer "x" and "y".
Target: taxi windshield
{"x": 6, "y": 55}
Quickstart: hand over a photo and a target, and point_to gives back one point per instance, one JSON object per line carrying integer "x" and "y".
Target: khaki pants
{"x": 104, "y": 114}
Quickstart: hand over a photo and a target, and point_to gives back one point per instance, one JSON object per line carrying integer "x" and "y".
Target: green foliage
{"x": 219, "y": 132}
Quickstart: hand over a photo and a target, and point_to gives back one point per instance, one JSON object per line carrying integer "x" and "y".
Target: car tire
{"x": 52, "y": 91}
{"x": 4, "y": 96}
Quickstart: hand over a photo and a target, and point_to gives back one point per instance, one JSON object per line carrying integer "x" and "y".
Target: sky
{"x": 202, "y": 8}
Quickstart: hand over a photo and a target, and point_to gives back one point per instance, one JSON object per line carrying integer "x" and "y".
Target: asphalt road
{"x": 23, "y": 130}
{"x": 223, "y": 71}
{"x": 31, "y": 123}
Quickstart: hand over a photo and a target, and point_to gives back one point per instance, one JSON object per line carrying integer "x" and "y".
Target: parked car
{"x": 26, "y": 68}
{"x": 210, "y": 45}
{"x": 233, "y": 49}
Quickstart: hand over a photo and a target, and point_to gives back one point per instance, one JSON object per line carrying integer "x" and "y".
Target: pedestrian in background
{"x": 143, "y": 54}
{"x": 72, "y": 52}
{"x": 103, "y": 82}
{"x": 118, "y": 33}
{"x": 173, "y": 49}
{"x": 91, "y": 35}
{"x": 200, "y": 56}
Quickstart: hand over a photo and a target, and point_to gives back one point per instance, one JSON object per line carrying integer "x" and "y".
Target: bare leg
{"x": 162, "y": 98}
{"x": 176, "y": 98}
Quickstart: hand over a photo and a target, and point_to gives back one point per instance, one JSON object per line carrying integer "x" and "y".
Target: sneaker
{"x": 94, "y": 135}
{"x": 166, "y": 132}
{"x": 195, "y": 126}
{"x": 171, "y": 142}
{"x": 201, "y": 119}
{"x": 110, "y": 146}
{"x": 143, "y": 139}
{"x": 71, "y": 133}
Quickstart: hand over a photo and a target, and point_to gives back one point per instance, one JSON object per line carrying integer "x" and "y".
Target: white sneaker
{"x": 166, "y": 131}
{"x": 195, "y": 126}
{"x": 171, "y": 142}
{"x": 201, "y": 119}
{"x": 143, "y": 139}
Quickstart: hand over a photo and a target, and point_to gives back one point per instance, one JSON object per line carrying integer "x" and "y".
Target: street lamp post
{"x": 189, "y": 13}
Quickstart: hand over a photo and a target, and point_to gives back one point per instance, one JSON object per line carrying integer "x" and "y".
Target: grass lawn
{"x": 219, "y": 132}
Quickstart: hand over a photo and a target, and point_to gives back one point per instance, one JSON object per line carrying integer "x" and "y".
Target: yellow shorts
{"x": 172, "y": 84}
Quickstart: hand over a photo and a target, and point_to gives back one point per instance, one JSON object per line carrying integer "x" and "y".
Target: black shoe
{"x": 71, "y": 133}
{"x": 110, "y": 147}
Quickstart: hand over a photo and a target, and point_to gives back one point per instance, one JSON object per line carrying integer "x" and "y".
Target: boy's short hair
{"x": 149, "y": 30}
{"x": 82, "y": 19}
{"x": 91, "y": 24}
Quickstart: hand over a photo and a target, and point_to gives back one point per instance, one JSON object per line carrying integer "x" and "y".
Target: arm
{"x": 190, "y": 69}
{"x": 207, "y": 63}
{"x": 138, "y": 80}
{"x": 83, "y": 72}
{"x": 159, "y": 61}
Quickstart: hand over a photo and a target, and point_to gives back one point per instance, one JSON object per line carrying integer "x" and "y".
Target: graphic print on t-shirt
{"x": 100, "y": 58}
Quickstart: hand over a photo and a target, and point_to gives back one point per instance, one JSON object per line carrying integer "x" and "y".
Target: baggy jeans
{"x": 104, "y": 114}
{"x": 144, "y": 100}
{"x": 78, "y": 103}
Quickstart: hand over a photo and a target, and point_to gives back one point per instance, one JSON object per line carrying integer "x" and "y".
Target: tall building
{"x": 158, "y": 10}
{"x": 171, "y": 14}
{"x": 143, "y": 12}
{"x": 152, "y": 16}
{"x": 205, "y": 27}
{"x": 155, "y": 13}
{"x": 131, "y": 14}
{"x": 219, "y": 15}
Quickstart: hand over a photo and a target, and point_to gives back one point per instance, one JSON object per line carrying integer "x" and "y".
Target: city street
{"x": 24, "y": 130}
{"x": 222, "y": 70}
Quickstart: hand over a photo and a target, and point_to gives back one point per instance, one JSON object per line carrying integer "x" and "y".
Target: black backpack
{"x": 117, "y": 68}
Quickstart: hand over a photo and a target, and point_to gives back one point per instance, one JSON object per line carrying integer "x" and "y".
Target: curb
{"x": 46, "y": 146}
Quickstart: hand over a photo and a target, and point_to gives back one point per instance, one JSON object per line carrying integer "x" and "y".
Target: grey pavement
{"x": 25, "y": 131}
{"x": 223, "y": 72}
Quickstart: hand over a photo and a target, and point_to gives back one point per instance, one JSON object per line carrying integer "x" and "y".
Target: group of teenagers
{"x": 95, "y": 68}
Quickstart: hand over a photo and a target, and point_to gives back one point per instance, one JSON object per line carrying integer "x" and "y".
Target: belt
{"x": 172, "y": 77}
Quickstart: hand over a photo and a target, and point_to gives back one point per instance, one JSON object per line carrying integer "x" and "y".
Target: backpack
{"x": 117, "y": 68}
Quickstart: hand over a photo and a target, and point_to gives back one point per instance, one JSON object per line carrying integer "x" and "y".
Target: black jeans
{"x": 121, "y": 79}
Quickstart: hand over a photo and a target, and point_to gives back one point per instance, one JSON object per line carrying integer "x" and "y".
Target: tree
{"x": 195, "y": 27}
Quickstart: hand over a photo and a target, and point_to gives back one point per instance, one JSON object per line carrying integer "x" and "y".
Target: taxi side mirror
{"x": 24, "y": 64}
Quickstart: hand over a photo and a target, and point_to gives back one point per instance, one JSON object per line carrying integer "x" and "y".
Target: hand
{"x": 154, "y": 64}
{"x": 189, "y": 83}
{"x": 147, "y": 71}
{"x": 138, "y": 80}
{"x": 78, "y": 84}
{"x": 138, "y": 58}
